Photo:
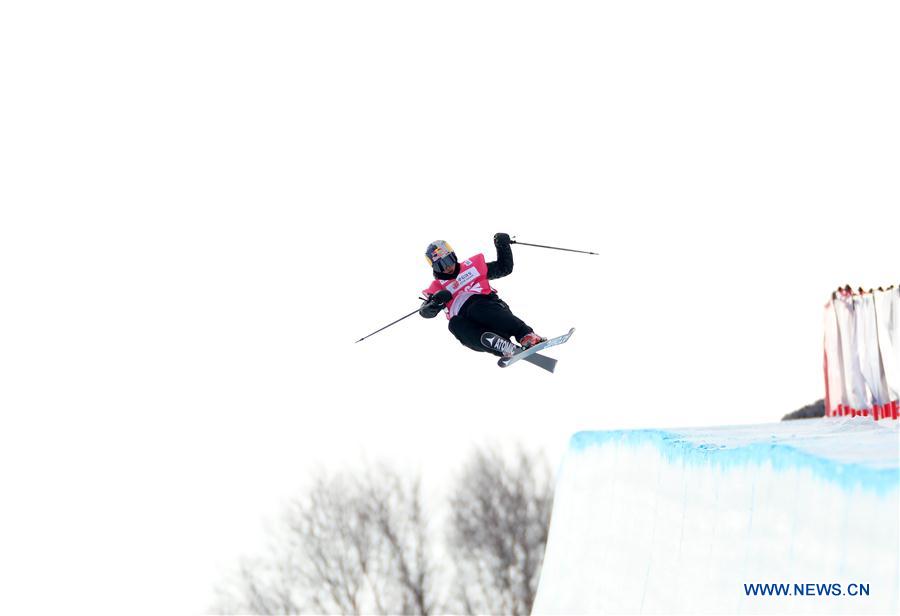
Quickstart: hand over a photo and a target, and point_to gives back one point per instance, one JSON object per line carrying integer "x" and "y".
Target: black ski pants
{"x": 486, "y": 313}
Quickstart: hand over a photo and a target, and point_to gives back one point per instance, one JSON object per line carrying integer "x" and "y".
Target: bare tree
{"x": 499, "y": 524}
{"x": 329, "y": 538}
{"x": 395, "y": 510}
{"x": 359, "y": 543}
{"x": 351, "y": 545}
{"x": 260, "y": 586}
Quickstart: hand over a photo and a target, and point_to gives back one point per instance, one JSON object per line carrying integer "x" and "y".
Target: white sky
{"x": 202, "y": 206}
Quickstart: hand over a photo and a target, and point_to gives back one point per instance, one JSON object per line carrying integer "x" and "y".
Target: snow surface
{"x": 677, "y": 521}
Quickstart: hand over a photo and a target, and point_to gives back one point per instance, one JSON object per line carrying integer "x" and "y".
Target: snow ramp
{"x": 792, "y": 517}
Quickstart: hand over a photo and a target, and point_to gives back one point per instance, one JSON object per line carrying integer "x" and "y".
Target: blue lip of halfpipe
{"x": 851, "y": 458}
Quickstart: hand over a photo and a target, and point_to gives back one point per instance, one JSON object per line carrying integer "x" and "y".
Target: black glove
{"x": 501, "y": 239}
{"x": 441, "y": 297}
{"x": 434, "y": 304}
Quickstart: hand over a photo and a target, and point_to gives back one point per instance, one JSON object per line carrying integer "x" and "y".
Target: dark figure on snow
{"x": 462, "y": 291}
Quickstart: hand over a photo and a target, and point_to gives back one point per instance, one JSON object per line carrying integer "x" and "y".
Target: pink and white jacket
{"x": 471, "y": 280}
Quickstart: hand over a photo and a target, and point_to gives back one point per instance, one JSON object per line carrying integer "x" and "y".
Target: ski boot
{"x": 530, "y": 339}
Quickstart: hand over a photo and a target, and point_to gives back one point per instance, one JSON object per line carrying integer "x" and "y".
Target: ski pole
{"x": 513, "y": 241}
{"x": 388, "y": 325}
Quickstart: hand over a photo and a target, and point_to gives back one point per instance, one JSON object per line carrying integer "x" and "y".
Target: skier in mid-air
{"x": 462, "y": 291}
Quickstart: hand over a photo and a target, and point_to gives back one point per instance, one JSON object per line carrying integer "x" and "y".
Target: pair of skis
{"x": 513, "y": 353}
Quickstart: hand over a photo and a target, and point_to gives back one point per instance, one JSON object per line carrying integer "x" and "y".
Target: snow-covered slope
{"x": 686, "y": 520}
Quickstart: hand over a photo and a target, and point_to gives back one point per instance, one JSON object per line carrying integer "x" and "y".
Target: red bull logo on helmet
{"x": 437, "y": 250}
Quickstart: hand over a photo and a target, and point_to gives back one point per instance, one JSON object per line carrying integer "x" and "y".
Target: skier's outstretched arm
{"x": 503, "y": 266}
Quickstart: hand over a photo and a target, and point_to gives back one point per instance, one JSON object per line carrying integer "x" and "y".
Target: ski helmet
{"x": 439, "y": 255}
